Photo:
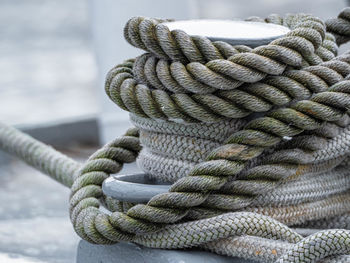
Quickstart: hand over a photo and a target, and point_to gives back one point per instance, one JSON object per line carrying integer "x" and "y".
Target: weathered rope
{"x": 237, "y": 103}
{"x": 246, "y": 144}
{"x": 155, "y": 37}
{"x": 268, "y": 250}
{"x": 238, "y": 183}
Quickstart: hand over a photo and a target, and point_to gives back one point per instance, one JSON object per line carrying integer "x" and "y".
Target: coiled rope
{"x": 255, "y": 141}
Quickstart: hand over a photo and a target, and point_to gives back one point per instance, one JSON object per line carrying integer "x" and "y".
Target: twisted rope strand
{"x": 236, "y": 103}
{"x": 153, "y": 36}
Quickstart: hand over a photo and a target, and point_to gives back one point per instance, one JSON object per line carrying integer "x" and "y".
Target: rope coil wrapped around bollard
{"x": 255, "y": 142}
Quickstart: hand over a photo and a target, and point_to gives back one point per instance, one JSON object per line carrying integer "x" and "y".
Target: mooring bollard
{"x": 140, "y": 188}
{"x": 242, "y": 132}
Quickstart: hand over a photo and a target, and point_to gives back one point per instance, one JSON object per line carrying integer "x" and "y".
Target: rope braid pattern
{"x": 169, "y": 156}
{"x": 268, "y": 127}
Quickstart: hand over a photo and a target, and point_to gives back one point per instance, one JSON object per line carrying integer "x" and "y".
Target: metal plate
{"x": 231, "y": 31}
{"x": 132, "y": 253}
{"x": 135, "y": 188}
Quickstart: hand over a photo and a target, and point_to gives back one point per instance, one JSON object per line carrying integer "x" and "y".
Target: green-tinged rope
{"x": 144, "y": 101}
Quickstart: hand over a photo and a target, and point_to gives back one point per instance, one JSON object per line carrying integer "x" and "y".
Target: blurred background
{"x": 54, "y": 58}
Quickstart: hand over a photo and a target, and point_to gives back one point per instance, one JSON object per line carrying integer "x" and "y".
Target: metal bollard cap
{"x": 234, "y": 32}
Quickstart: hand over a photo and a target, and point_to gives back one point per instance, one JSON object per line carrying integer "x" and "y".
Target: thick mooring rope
{"x": 254, "y": 142}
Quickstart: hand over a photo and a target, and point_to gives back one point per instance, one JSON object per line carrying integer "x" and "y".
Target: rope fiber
{"x": 255, "y": 142}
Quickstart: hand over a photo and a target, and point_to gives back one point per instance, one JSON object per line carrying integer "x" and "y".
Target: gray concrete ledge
{"x": 82, "y": 130}
{"x": 131, "y": 253}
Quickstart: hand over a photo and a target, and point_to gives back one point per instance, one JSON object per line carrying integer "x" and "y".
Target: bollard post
{"x": 139, "y": 188}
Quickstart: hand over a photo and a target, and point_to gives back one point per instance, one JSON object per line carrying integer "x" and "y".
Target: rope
{"x": 145, "y": 101}
{"x": 339, "y": 27}
{"x": 41, "y": 156}
{"x": 254, "y": 142}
